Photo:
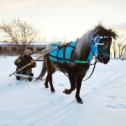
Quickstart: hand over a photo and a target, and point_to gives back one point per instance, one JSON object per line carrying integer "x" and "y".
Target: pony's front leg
{"x": 79, "y": 82}
{"x": 72, "y": 83}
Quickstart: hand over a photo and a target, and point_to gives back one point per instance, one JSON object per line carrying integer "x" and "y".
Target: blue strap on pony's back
{"x": 63, "y": 53}
{"x": 71, "y": 46}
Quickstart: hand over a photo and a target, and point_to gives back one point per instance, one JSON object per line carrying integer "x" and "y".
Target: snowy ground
{"x": 30, "y": 104}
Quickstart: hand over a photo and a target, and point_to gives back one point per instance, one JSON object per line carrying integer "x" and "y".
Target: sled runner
{"x": 23, "y": 76}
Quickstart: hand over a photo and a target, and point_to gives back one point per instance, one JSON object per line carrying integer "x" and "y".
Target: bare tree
{"x": 118, "y": 46}
{"x": 121, "y": 44}
{"x": 19, "y": 32}
{"x": 114, "y": 49}
{"x": 123, "y": 52}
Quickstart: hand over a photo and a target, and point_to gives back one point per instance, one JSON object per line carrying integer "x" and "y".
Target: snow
{"x": 25, "y": 103}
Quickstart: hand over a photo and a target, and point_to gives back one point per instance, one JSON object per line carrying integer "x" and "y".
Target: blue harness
{"x": 63, "y": 54}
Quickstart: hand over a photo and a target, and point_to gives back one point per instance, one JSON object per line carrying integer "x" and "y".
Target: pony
{"x": 95, "y": 43}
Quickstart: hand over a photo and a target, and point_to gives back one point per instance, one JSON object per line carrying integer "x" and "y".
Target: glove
{"x": 33, "y": 63}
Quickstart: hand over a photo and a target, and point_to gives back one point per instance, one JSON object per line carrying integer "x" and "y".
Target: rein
{"x": 91, "y": 72}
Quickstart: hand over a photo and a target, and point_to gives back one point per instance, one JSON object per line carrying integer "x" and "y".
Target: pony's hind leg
{"x": 72, "y": 83}
{"x": 46, "y": 82}
{"x": 49, "y": 79}
{"x": 51, "y": 84}
{"x": 50, "y": 70}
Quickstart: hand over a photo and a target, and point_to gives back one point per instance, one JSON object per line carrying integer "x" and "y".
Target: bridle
{"x": 102, "y": 50}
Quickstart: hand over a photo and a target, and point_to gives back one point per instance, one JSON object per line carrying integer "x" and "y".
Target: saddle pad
{"x": 63, "y": 52}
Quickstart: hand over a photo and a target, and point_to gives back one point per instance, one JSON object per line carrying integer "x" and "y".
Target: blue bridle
{"x": 95, "y": 49}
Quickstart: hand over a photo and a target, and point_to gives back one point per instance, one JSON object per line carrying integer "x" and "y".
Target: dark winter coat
{"x": 24, "y": 60}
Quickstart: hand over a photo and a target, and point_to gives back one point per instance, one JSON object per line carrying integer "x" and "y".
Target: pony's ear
{"x": 112, "y": 34}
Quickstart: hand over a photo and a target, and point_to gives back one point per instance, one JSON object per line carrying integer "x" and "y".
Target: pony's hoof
{"x": 46, "y": 86}
{"x": 67, "y": 91}
{"x": 79, "y": 100}
{"x": 52, "y": 91}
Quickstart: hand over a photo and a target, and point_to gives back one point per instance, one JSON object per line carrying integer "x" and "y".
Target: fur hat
{"x": 27, "y": 52}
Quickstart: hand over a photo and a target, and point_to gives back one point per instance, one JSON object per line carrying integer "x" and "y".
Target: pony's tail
{"x": 43, "y": 71}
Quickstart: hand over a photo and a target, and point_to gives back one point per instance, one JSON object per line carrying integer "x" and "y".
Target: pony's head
{"x": 104, "y": 45}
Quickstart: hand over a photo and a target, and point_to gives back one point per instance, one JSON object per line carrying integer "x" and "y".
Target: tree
{"x": 114, "y": 49}
{"x": 121, "y": 44}
{"x": 19, "y": 32}
{"x": 123, "y": 52}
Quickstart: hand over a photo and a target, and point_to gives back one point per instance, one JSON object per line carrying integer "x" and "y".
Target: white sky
{"x": 61, "y": 19}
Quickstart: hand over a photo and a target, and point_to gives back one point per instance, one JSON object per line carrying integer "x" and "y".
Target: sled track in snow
{"x": 101, "y": 87}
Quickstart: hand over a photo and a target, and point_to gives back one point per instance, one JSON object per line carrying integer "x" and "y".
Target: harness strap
{"x": 72, "y": 61}
{"x": 64, "y": 52}
{"x": 58, "y": 52}
{"x": 81, "y": 61}
{"x": 58, "y": 58}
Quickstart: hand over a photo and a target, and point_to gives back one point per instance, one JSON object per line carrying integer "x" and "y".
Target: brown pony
{"x": 76, "y": 71}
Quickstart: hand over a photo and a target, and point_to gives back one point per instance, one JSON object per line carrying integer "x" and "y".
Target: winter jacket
{"x": 24, "y": 60}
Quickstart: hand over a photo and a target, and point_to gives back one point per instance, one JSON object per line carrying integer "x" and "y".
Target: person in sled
{"x": 21, "y": 61}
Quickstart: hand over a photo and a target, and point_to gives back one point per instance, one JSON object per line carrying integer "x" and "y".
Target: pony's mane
{"x": 103, "y": 31}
